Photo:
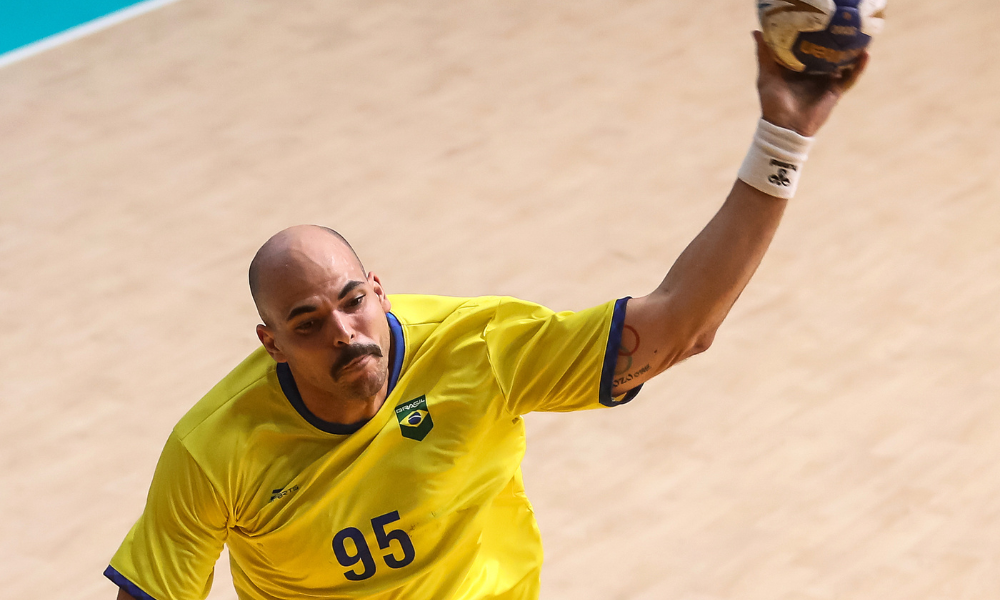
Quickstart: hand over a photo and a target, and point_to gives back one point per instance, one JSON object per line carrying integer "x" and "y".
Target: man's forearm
{"x": 707, "y": 278}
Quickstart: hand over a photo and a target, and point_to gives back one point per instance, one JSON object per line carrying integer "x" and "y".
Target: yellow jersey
{"x": 423, "y": 501}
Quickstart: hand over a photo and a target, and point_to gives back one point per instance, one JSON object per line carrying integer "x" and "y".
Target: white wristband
{"x": 775, "y": 160}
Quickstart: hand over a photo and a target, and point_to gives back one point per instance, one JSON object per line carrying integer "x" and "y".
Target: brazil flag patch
{"x": 414, "y": 419}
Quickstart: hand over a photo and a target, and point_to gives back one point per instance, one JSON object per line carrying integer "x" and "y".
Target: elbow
{"x": 702, "y": 342}
{"x": 695, "y": 345}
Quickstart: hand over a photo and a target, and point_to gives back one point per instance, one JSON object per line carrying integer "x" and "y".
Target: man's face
{"x": 326, "y": 319}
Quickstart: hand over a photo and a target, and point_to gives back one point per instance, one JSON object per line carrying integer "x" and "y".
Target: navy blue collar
{"x": 397, "y": 348}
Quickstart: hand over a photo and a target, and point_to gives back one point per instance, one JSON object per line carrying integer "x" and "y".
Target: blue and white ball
{"x": 819, "y": 36}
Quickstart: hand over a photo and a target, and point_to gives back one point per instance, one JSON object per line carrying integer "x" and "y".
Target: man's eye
{"x": 357, "y": 301}
{"x": 306, "y": 326}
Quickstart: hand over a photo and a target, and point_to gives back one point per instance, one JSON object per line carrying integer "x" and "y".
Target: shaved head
{"x": 288, "y": 252}
{"x": 324, "y": 317}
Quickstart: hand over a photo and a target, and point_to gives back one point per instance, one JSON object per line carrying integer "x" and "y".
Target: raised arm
{"x": 680, "y": 318}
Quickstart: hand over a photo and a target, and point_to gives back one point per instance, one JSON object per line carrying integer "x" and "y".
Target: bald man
{"x": 342, "y": 379}
{"x": 371, "y": 447}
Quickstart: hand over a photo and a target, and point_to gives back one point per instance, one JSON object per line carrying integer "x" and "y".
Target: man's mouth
{"x": 356, "y": 363}
{"x": 355, "y": 358}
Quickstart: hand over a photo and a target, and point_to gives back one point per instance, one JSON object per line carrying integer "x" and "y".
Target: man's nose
{"x": 341, "y": 330}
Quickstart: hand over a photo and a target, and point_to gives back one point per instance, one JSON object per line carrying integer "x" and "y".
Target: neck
{"x": 341, "y": 410}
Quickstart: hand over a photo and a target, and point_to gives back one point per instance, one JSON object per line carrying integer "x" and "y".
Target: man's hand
{"x": 797, "y": 101}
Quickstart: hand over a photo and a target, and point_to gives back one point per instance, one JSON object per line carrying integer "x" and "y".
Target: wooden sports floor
{"x": 841, "y": 439}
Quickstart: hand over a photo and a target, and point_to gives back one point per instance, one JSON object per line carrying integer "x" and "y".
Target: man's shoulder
{"x": 431, "y": 323}
{"x": 423, "y": 309}
{"x": 252, "y": 377}
{"x": 420, "y": 309}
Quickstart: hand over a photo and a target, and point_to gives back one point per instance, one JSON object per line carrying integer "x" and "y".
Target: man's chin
{"x": 363, "y": 383}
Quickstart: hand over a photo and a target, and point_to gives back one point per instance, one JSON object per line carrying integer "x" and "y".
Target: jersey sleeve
{"x": 548, "y": 361}
{"x": 171, "y": 551}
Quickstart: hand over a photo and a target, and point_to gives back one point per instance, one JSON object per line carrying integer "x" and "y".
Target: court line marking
{"x": 82, "y": 30}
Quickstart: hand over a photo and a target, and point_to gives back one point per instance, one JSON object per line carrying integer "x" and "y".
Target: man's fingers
{"x": 851, "y": 77}
{"x": 769, "y": 66}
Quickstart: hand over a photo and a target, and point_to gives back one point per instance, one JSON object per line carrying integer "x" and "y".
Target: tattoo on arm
{"x": 628, "y": 347}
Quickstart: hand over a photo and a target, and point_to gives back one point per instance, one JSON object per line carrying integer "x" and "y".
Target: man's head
{"x": 322, "y": 314}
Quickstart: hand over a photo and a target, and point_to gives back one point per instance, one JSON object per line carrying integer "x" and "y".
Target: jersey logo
{"x": 414, "y": 418}
{"x": 282, "y": 492}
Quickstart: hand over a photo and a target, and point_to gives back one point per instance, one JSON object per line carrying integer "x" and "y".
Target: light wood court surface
{"x": 841, "y": 440}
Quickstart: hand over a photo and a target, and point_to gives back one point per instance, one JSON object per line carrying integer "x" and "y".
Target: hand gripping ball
{"x": 819, "y": 36}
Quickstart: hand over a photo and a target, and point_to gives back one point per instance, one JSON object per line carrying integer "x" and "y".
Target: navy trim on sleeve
{"x": 611, "y": 357}
{"x": 291, "y": 390}
{"x": 120, "y": 580}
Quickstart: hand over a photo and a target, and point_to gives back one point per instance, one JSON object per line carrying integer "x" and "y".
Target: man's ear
{"x": 379, "y": 291}
{"x": 267, "y": 340}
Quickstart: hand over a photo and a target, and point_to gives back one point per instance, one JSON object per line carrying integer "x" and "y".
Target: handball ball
{"x": 819, "y": 36}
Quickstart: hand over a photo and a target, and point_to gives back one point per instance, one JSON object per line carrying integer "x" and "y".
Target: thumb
{"x": 765, "y": 57}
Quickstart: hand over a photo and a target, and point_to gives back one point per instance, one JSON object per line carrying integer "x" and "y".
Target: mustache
{"x": 350, "y": 353}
